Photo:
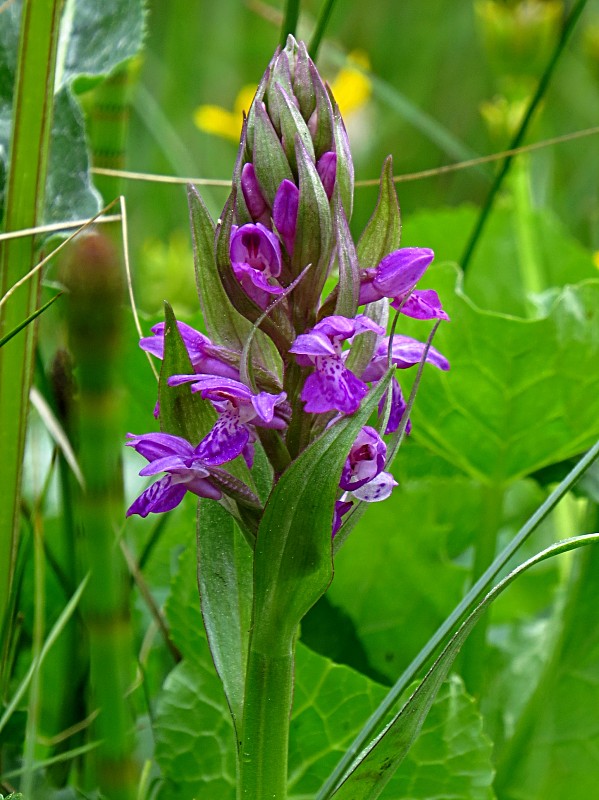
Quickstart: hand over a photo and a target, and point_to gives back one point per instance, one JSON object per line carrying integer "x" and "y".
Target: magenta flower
{"x": 239, "y": 410}
{"x": 186, "y": 472}
{"x": 341, "y": 509}
{"x": 256, "y": 260}
{"x": 363, "y": 473}
{"x": 205, "y": 356}
{"x": 331, "y": 387}
{"x": 252, "y": 194}
{"x": 396, "y": 276}
{"x": 284, "y": 212}
{"x": 327, "y": 171}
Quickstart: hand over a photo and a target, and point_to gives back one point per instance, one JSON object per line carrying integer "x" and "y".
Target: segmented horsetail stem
{"x": 94, "y": 279}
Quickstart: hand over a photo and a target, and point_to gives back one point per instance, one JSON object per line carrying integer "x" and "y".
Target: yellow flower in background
{"x": 219, "y": 121}
{"x": 596, "y": 258}
{"x": 351, "y": 88}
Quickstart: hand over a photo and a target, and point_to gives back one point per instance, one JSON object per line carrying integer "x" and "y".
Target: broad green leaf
{"x": 225, "y": 582}
{"x": 375, "y": 766}
{"x": 94, "y": 39}
{"x": 382, "y": 234}
{"x": 521, "y": 394}
{"x": 182, "y": 412}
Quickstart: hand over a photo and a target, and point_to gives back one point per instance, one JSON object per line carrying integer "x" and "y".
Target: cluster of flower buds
{"x": 282, "y": 235}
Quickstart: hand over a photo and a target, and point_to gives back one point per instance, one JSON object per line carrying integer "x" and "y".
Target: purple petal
{"x": 159, "y": 445}
{"x": 377, "y": 489}
{"x": 313, "y": 344}
{"x": 160, "y": 496}
{"x": 327, "y": 170}
{"x": 256, "y": 246}
{"x": 341, "y": 508}
{"x": 203, "y": 488}
{"x": 398, "y": 407}
{"x": 365, "y": 460}
{"x": 166, "y": 464}
{"x": 422, "y": 304}
{"x": 264, "y": 404}
{"x": 407, "y": 351}
{"x": 332, "y": 387}
{"x": 226, "y": 440}
{"x": 284, "y": 212}
{"x": 252, "y": 193}
{"x": 401, "y": 270}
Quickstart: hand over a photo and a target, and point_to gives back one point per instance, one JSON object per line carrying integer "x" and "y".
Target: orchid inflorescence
{"x": 301, "y": 364}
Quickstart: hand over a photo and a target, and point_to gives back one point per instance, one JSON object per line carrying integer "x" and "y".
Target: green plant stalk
{"x": 266, "y": 712}
{"x": 475, "y": 648}
{"x": 569, "y": 25}
{"x": 289, "y": 21}
{"x": 94, "y": 279}
{"x": 31, "y": 124}
{"x": 533, "y": 281}
{"x": 586, "y": 574}
{"x": 321, "y": 26}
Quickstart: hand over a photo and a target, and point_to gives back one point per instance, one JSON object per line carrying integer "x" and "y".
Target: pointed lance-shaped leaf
{"x": 280, "y": 75}
{"x": 345, "y": 165}
{"x": 292, "y": 125}
{"x": 294, "y": 546}
{"x": 313, "y": 239}
{"x": 302, "y": 82}
{"x": 375, "y": 766}
{"x": 258, "y": 99}
{"x": 225, "y": 584}
{"x": 321, "y": 122}
{"x": 347, "y": 259}
{"x": 269, "y": 159}
{"x": 382, "y": 233}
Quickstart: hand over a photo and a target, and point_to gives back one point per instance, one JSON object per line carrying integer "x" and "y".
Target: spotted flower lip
{"x": 239, "y": 410}
{"x": 331, "y": 387}
{"x": 186, "y": 472}
{"x": 256, "y": 261}
{"x": 365, "y": 461}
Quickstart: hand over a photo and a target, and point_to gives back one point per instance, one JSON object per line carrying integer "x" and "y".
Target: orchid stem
{"x": 290, "y": 20}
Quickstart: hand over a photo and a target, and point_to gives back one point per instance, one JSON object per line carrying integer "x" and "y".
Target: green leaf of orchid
{"x": 382, "y": 234}
{"x": 269, "y": 159}
{"x": 292, "y": 125}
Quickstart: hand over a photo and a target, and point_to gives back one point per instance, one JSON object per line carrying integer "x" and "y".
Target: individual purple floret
{"x": 365, "y": 460}
{"x": 186, "y": 472}
{"x": 203, "y": 354}
{"x": 239, "y": 409}
{"x": 396, "y": 276}
{"x": 284, "y": 212}
{"x": 331, "y": 387}
{"x": 256, "y": 261}
{"x": 327, "y": 170}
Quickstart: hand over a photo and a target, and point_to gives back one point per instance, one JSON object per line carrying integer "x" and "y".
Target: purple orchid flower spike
{"x": 396, "y": 276}
{"x": 284, "y": 213}
{"x": 205, "y": 356}
{"x": 331, "y": 387}
{"x": 185, "y": 472}
{"x": 256, "y": 260}
{"x": 239, "y": 411}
